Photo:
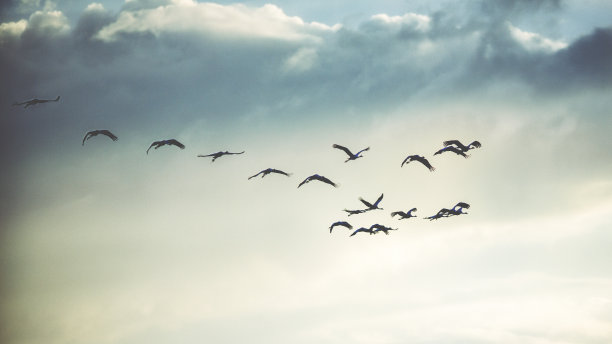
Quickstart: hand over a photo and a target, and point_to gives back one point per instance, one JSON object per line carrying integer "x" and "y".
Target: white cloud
{"x": 227, "y": 21}
{"x": 535, "y": 42}
{"x": 414, "y": 21}
{"x": 12, "y": 30}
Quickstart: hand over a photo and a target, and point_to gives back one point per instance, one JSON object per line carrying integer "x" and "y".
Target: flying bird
{"x": 461, "y": 146}
{"x": 171, "y": 142}
{"x": 340, "y": 223}
{"x": 319, "y": 178}
{"x": 372, "y": 206}
{"x": 354, "y": 212}
{"x": 35, "y": 101}
{"x": 93, "y": 133}
{"x": 349, "y": 153}
{"x": 217, "y": 155}
{"x": 458, "y": 209}
{"x": 452, "y": 149}
{"x": 420, "y": 159}
{"x": 380, "y": 228}
{"x": 268, "y": 171}
{"x": 404, "y": 215}
{"x": 363, "y": 229}
{"x": 441, "y": 213}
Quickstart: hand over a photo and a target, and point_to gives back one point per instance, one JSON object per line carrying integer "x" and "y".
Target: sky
{"x": 103, "y": 243}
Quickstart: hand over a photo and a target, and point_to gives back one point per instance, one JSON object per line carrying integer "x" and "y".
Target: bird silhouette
{"x": 35, "y": 101}
{"x": 217, "y": 155}
{"x": 93, "y": 133}
{"x": 349, "y": 153}
{"x": 461, "y": 146}
{"x": 441, "y": 213}
{"x": 452, "y": 149}
{"x": 404, "y": 215}
{"x": 319, "y": 178}
{"x": 170, "y": 142}
{"x": 363, "y": 229}
{"x": 355, "y": 212}
{"x": 380, "y": 228}
{"x": 268, "y": 171}
{"x": 372, "y": 206}
{"x": 420, "y": 159}
{"x": 340, "y": 223}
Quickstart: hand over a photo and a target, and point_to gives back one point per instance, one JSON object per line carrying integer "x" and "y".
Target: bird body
{"x": 404, "y": 215}
{"x": 268, "y": 171}
{"x": 36, "y": 101}
{"x": 380, "y": 228}
{"x": 340, "y": 223}
{"x": 420, "y": 159}
{"x": 319, "y": 178}
{"x": 349, "y": 153}
{"x": 363, "y": 229}
{"x": 461, "y": 146}
{"x": 93, "y": 133}
{"x": 170, "y": 142}
{"x": 452, "y": 149}
{"x": 217, "y": 155}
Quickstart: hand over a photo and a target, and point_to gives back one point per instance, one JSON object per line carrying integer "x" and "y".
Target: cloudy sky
{"x": 102, "y": 243}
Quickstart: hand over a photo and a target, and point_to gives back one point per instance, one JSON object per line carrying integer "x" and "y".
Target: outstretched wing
{"x": 363, "y": 150}
{"x": 272, "y": 170}
{"x": 109, "y": 134}
{"x": 400, "y": 213}
{"x": 234, "y": 153}
{"x": 324, "y": 180}
{"x": 346, "y": 150}
{"x": 378, "y": 200}
{"x": 176, "y": 143}
{"x": 86, "y": 137}
{"x": 476, "y": 144}
{"x": 452, "y": 149}
{"x": 156, "y": 144}
{"x": 367, "y": 204}
{"x": 305, "y": 181}
{"x": 462, "y": 205}
{"x": 408, "y": 159}
{"x": 424, "y": 161}
{"x": 207, "y": 155}
{"x": 255, "y": 175}
{"x": 454, "y": 142}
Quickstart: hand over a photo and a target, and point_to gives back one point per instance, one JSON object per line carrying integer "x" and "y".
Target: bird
{"x": 93, "y": 133}
{"x": 349, "y": 153}
{"x": 171, "y": 142}
{"x": 340, "y": 223}
{"x": 363, "y": 229}
{"x": 452, "y": 149}
{"x": 458, "y": 209}
{"x": 420, "y": 159}
{"x": 404, "y": 215}
{"x": 217, "y": 155}
{"x": 354, "y": 212}
{"x": 461, "y": 146}
{"x": 319, "y": 178}
{"x": 35, "y": 101}
{"x": 268, "y": 171}
{"x": 441, "y": 213}
{"x": 381, "y": 228}
{"x": 372, "y": 206}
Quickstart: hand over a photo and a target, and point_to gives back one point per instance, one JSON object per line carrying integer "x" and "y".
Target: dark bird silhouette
{"x": 93, "y": 133}
{"x": 319, "y": 178}
{"x": 363, "y": 229}
{"x": 372, "y": 206}
{"x": 404, "y": 215}
{"x": 458, "y": 209}
{"x": 461, "y": 146}
{"x": 380, "y": 228}
{"x": 452, "y": 149}
{"x": 268, "y": 171}
{"x": 420, "y": 159}
{"x": 35, "y": 101}
{"x": 217, "y": 155}
{"x": 349, "y": 153}
{"x": 340, "y": 223}
{"x": 354, "y": 212}
{"x": 441, "y": 213}
{"x": 171, "y": 142}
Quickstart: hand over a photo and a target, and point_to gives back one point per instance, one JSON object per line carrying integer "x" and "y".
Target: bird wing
{"x": 378, "y": 200}
{"x": 255, "y": 175}
{"x": 305, "y": 181}
{"x": 234, "y": 153}
{"x": 324, "y": 180}
{"x": 363, "y": 150}
{"x": 475, "y": 144}
{"x": 453, "y": 142}
{"x": 208, "y": 155}
{"x": 346, "y": 150}
{"x": 109, "y": 134}
{"x": 361, "y": 229}
{"x": 456, "y": 151}
{"x": 86, "y": 137}
{"x": 272, "y": 170}
{"x": 424, "y": 161}
{"x": 367, "y": 204}
{"x": 156, "y": 144}
{"x": 407, "y": 160}
{"x": 462, "y": 205}
{"x": 400, "y": 213}
{"x": 176, "y": 143}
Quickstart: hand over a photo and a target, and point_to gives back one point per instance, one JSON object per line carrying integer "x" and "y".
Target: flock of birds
{"x": 454, "y": 146}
